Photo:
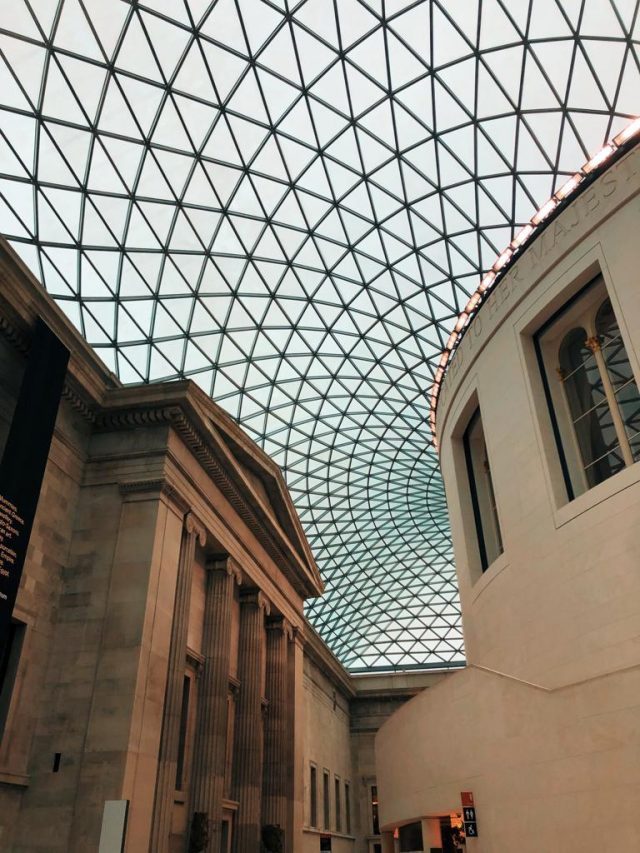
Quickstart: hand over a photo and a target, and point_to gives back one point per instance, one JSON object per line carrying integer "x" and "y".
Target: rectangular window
{"x": 325, "y": 800}
{"x": 483, "y": 498}
{"x": 410, "y": 837}
{"x": 347, "y": 807}
{"x": 231, "y": 727}
{"x": 375, "y": 820}
{"x": 313, "y": 796}
{"x": 591, "y": 389}
{"x": 182, "y": 736}
{"x": 9, "y": 659}
{"x": 336, "y": 786}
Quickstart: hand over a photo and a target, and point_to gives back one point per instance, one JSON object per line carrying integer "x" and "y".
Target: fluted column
{"x": 192, "y": 533}
{"x": 276, "y": 776}
{"x": 211, "y": 737}
{"x": 248, "y": 742}
{"x": 296, "y": 722}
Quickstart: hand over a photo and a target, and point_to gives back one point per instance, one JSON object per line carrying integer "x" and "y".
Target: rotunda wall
{"x": 562, "y": 602}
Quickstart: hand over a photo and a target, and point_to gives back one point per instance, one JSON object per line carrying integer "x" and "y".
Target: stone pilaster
{"x": 234, "y": 686}
{"x": 192, "y": 533}
{"x": 211, "y": 737}
{"x": 278, "y": 748}
{"x": 296, "y": 722}
{"x": 131, "y": 661}
{"x": 248, "y": 742}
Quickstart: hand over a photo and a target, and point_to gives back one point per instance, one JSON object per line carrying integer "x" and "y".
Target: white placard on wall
{"x": 114, "y": 826}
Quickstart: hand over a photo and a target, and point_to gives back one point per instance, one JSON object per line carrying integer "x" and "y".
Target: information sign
{"x": 469, "y": 814}
{"x": 24, "y": 460}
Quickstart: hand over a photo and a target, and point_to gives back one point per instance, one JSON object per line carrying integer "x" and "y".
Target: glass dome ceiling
{"x": 290, "y": 202}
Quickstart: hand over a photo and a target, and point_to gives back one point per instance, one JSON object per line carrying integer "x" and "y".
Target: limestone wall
{"x": 327, "y": 745}
{"x": 149, "y": 493}
{"x": 29, "y": 743}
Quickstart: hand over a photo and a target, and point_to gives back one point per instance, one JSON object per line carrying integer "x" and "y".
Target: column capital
{"x": 280, "y": 624}
{"x": 297, "y": 637}
{"x": 225, "y": 563}
{"x": 194, "y": 526}
{"x": 155, "y": 488}
{"x": 253, "y": 597}
{"x": 593, "y": 343}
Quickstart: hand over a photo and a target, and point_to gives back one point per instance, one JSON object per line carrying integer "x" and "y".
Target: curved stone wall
{"x": 541, "y": 724}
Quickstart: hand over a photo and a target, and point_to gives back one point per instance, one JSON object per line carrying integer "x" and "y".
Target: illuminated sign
{"x": 469, "y": 814}
{"x": 24, "y": 460}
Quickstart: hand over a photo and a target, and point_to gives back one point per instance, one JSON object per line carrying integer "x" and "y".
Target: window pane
{"x": 618, "y": 367}
{"x": 182, "y": 737}
{"x": 605, "y": 467}
{"x": 583, "y": 345}
{"x": 347, "y": 807}
{"x": 634, "y": 443}
{"x": 313, "y": 817}
{"x": 606, "y": 324}
{"x": 325, "y": 794}
{"x": 482, "y": 493}
{"x": 628, "y": 399}
{"x": 596, "y": 435}
{"x": 374, "y": 810}
{"x": 411, "y": 837}
{"x": 580, "y": 374}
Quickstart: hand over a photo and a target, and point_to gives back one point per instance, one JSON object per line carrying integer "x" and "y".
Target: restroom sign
{"x": 469, "y": 814}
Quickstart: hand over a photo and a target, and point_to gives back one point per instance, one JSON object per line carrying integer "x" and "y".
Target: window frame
{"x": 474, "y": 492}
{"x": 326, "y": 800}
{"x": 347, "y": 807}
{"x": 374, "y": 809}
{"x": 187, "y": 724}
{"x": 183, "y": 732}
{"x": 594, "y": 293}
{"x": 313, "y": 794}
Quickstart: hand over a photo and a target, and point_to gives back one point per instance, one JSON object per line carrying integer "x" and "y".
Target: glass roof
{"x": 290, "y": 203}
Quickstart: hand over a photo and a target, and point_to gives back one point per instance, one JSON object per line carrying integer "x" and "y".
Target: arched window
{"x": 596, "y": 404}
{"x": 589, "y": 408}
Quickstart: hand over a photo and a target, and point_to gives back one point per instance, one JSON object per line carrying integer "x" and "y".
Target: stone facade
{"x": 161, "y": 601}
{"x": 342, "y": 714}
{"x": 165, "y": 659}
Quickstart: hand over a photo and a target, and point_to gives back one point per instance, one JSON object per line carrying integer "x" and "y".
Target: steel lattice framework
{"x": 290, "y": 202}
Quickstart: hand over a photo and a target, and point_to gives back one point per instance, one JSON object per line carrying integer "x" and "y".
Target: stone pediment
{"x": 251, "y": 481}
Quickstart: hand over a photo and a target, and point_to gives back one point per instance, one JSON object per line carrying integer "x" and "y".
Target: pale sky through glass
{"x": 290, "y": 204}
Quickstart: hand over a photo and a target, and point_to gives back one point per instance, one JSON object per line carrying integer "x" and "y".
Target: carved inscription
{"x": 591, "y": 205}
